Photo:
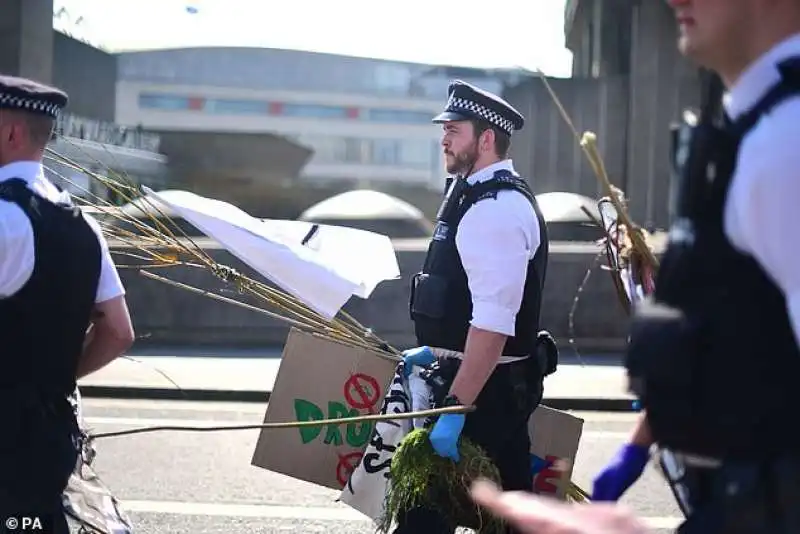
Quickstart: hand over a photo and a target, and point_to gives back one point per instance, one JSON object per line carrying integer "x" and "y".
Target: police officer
{"x": 57, "y": 281}
{"x": 715, "y": 358}
{"x": 479, "y": 293}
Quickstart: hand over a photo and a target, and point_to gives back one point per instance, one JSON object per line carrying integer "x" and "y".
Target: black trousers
{"x": 762, "y": 497}
{"x": 499, "y": 424}
{"x": 38, "y": 453}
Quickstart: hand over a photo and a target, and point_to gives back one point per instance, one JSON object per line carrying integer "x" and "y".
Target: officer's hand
{"x": 420, "y": 356}
{"x": 445, "y": 433}
{"x": 620, "y": 473}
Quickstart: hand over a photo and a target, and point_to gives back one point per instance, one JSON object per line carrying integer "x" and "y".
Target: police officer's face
{"x": 460, "y": 147}
{"x": 715, "y": 33}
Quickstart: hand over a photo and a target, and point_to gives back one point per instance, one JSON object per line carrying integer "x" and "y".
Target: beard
{"x": 462, "y": 162}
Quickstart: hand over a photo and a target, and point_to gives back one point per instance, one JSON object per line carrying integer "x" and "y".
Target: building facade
{"x": 626, "y": 56}
{"x": 368, "y": 121}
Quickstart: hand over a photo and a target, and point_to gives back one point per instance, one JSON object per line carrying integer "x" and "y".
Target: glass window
{"x": 156, "y": 101}
{"x": 415, "y": 154}
{"x": 331, "y": 149}
{"x": 352, "y": 150}
{"x": 392, "y": 78}
{"x": 384, "y": 152}
{"x": 312, "y": 110}
{"x": 324, "y": 148}
{"x": 244, "y": 107}
{"x": 399, "y": 116}
{"x": 437, "y": 158}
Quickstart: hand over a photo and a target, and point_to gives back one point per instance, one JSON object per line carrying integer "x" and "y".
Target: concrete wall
{"x": 634, "y": 51}
{"x": 546, "y": 151}
{"x": 88, "y": 75}
{"x": 662, "y": 84}
{"x": 251, "y": 171}
{"x": 598, "y": 32}
{"x": 166, "y": 315}
{"x": 26, "y": 39}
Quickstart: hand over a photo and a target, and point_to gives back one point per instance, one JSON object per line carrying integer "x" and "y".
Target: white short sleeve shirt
{"x": 762, "y": 217}
{"x": 495, "y": 240}
{"x": 17, "y": 254}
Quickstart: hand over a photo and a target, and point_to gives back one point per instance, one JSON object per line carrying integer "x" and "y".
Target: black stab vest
{"x": 713, "y": 357}
{"x": 43, "y": 325}
{"x": 441, "y": 302}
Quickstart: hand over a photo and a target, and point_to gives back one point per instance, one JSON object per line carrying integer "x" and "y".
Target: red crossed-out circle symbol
{"x": 347, "y": 464}
{"x": 362, "y": 392}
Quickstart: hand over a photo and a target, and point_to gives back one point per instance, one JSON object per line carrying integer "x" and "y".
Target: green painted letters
{"x": 336, "y": 410}
{"x": 361, "y": 438}
{"x": 357, "y": 434}
{"x": 308, "y": 411}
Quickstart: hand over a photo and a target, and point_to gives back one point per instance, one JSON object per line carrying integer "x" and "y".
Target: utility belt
{"x": 31, "y": 414}
{"x": 524, "y": 375}
{"x": 733, "y": 497}
{"x": 30, "y": 400}
{"x": 545, "y": 357}
{"x": 41, "y": 441}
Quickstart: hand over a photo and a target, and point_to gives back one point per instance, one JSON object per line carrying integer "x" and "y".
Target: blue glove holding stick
{"x": 445, "y": 433}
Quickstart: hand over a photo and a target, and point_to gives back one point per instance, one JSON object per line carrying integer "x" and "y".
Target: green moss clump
{"x": 420, "y": 477}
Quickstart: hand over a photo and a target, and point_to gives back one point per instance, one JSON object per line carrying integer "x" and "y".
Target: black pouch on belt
{"x": 546, "y": 353}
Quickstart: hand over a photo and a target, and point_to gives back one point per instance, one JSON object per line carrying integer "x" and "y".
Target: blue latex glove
{"x": 445, "y": 433}
{"x": 620, "y": 474}
{"x": 420, "y": 356}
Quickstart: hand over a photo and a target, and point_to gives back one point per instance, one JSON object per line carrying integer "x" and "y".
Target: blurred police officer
{"x": 57, "y": 281}
{"x": 715, "y": 358}
{"x": 479, "y": 293}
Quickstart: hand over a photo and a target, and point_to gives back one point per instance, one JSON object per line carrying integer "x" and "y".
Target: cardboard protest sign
{"x": 555, "y": 437}
{"x": 322, "y": 379}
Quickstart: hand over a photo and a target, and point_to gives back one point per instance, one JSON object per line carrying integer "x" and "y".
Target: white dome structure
{"x": 561, "y": 206}
{"x": 566, "y": 221}
{"x": 370, "y": 210}
{"x": 362, "y": 204}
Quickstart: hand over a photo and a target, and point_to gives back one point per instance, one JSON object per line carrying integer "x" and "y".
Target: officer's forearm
{"x": 101, "y": 348}
{"x": 481, "y": 354}
{"x": 641, "y": 432}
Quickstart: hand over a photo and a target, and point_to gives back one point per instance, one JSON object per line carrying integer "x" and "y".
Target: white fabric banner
{"x": 321, "y": 265}
{"x": 366, "y": 489}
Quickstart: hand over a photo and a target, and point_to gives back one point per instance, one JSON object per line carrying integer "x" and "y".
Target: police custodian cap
{"x": 22, "y": 94}
{"x": 465, "y": 102}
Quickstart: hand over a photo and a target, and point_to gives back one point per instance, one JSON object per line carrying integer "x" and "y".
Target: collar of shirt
{"x": 487, "y": 172}
{"x": 32, "y": 172}
{"x": 756, "y": 80}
